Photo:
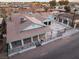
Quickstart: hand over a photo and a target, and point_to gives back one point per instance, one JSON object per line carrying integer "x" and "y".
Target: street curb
{"x": 21, "y": 51}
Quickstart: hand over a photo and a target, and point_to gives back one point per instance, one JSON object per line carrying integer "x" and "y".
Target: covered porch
{"x": 26, "y": 43}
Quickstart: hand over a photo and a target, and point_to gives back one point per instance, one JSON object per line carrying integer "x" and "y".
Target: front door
{"x": 36, "y": 41}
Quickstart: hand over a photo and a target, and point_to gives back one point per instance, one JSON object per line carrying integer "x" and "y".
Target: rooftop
{"x": 32, "y": 25}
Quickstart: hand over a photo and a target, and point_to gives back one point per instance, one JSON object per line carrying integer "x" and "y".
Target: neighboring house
{"x": 74, "y": 6}
{"x": 77, "y": 9}
{"x": 60, "y": 8}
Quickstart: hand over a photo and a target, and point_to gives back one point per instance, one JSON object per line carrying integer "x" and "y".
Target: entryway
{"x": 36, "y": 41}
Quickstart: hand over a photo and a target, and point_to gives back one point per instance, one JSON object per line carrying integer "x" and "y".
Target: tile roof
{"x": 14, "y": 27}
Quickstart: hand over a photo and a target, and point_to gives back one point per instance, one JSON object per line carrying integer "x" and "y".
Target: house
{"x": 30, "y": 30}
{"x": 24, "y": 30}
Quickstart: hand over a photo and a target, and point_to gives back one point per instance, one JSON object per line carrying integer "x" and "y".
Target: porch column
{"x": 62, "y": 20}
{"x": 58, "y": 19}
{"x": 32, "y": 40}
{"x": 51, "y": 34}
{"x": 38, "y": 38}
{"x": 75, "y": 25}
{"x": 46, "y": 36}
{"x": 67, "y": 22}
{"x": 22, "y": 42}
{"x": 47, "y": 23}
{"x": 10, "y": 46}
{"x": 51, "y": 22}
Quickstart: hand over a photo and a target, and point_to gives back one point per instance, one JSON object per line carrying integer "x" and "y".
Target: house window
{"x": 23, "y": 20}
{"x": 15, "y": 11}
{"x": 27, "y": 40}
{"x": 60, "y": 20}
{"x": 65, "y": 21}
{"x": 54, "y": 18}
{"x": 16, "y": 43}
{"x": 49, "y": 23}
{"x": 45, "y": 23}
{"x": 10, "y": 19}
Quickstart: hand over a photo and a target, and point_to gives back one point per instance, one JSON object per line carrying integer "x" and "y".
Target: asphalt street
{"x": 67, "y": 51}
{"x": 64, "y": 48}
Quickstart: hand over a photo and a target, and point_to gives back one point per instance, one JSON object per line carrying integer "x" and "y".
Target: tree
{"x": 52, "y": 3}
{"x": 46, "y": 9}
{"x": 67, "y": 8}
{"x": 63, "y": 2}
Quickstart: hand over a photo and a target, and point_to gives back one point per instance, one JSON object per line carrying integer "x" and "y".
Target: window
{"x": 60, "y": 20}
{"x": 27, "y": 40}
{"x": 60, "y": 7}
{"x": 49, "y": 23}
{"x": 45, "y": 23}
{"x": 16, "y": 43}
{"x": 23, "y": 20}
{"x": 54, "y": 17}
{"x": 65, "y": 21}
{"x": 15, "y": 11}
